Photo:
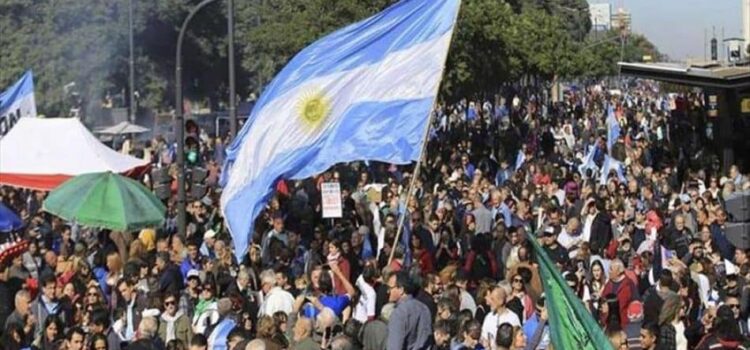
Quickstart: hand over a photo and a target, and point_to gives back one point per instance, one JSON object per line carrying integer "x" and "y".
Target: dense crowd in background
{"x": 642, "y": 244}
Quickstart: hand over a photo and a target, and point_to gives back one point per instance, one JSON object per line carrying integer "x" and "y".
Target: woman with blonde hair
{"x": 266, "y": 331}
{"x": 671, "y": 329}
{"x": 137, "y": 250}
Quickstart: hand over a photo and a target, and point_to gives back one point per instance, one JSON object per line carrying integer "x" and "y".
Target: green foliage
{"x": 600, "y": 54}
{"x": 86, "y": 42}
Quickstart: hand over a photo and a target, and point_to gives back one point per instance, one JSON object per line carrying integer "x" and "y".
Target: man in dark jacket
{"x": 654, "y": 297}
{"x": 601, "y": 229}
{"x": 426, "y": 294}
{"x": 170, "y": 280}
{"x": 46, "y": 303}
{"x": 133, "y": 302}
{"x": 556, "y": 252}
{"x": 8, "y": 289}
{"x": 100, "y": 324}
{"x": 677, "y": 237}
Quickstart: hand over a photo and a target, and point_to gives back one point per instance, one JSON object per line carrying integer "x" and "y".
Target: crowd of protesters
{"x": 643, "y": 246}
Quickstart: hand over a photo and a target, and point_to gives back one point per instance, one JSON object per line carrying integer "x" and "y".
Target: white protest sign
{"x": 332, "y": 206}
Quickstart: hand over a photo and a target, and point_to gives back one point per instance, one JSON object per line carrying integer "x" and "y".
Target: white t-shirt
{"x": 277, "y": 299}
{"x": 467, "y": 302}
{"x": 568, "y": 241}
{"x": 365, "y": 308}
{"x": 493, "y": 320}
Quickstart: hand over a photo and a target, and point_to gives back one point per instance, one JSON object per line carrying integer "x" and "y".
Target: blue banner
{"x": 17, "y": 102}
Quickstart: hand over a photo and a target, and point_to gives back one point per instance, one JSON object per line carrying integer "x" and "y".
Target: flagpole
{"x": 423, "y": 151}
{"x": 410, "y": 190}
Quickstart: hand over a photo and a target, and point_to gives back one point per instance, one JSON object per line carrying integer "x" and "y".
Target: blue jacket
{"x": 188, "y": 265}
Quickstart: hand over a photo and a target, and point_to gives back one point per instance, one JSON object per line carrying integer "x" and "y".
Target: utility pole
{"x": 705, "y": 44}
{"x": 131, "y": 63}
{"x": 232, "y": 92}
{"x": 180, "y": 122}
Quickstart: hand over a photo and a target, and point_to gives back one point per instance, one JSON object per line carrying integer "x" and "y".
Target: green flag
{"x": 571, "y": 325}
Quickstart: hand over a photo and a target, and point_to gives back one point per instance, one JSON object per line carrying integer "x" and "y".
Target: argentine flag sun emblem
{"x": 313, "y": 108}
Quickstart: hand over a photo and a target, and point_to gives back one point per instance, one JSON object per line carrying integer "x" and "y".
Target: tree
{"x": 479, "y": 57}
{"x": 272, "y": 32}
{"x": 64, "y": 41}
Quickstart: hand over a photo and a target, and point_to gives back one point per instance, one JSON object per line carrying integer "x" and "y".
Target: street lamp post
{"x": 131, "y": 63}
{"x": 232, "y": 93}
{"x": 180, "y": 121}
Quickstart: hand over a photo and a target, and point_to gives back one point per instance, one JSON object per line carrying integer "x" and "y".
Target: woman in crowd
{"x": 51, "y": 337}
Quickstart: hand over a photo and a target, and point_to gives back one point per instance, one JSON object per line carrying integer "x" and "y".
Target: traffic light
{"x": 192, "y": 143}
{"x": 198, "y": 187}
{"x": 161, "y": 182}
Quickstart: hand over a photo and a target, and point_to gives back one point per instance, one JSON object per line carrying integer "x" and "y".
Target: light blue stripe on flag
{"x": 613, "y": 128}
{"x": 609, "y": 165}
{"x": 20, "y": 88}
{"x": 520, "y": 159}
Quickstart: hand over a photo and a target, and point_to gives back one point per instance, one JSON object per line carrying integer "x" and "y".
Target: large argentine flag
{"x": 362, "y": 92}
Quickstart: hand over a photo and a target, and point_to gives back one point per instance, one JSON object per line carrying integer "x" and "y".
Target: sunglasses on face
{"x": 169, "y": 302}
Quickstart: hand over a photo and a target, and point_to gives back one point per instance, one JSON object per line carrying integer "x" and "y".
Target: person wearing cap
{"x": 633, "y": 327}
{"x": 190, "y": 296}
{"x": 554, "y": 250}
{"x": 207, "y": 248}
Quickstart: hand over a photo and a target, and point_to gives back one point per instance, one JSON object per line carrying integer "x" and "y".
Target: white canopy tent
{"x": 42, "y": 153}
{"x": 123, "y": 128}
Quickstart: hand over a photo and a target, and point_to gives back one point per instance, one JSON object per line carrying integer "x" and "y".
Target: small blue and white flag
{"x": 609, "y": 165}
{"x": 520, "y": 159}
{"x": 364, "y": 92}
{"x": 17, "y": 102}
{"x": 613, "y": 128}
{"x": 588, "y": 161}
